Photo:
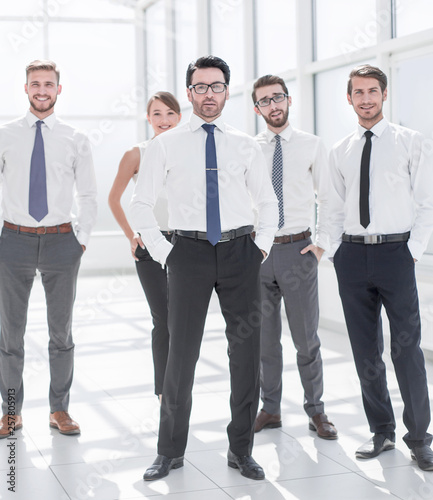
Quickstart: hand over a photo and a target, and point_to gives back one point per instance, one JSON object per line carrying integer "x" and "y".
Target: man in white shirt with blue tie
{"x": 298, "y": 164}
{"x": 381, "y": 218}
{"x": 213, "y": 176}
{"x": 46, "y": 166}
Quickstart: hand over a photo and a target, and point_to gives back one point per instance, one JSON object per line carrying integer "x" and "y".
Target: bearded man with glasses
{"x": 213, "y": 175}
{"x": 297, "y": 162}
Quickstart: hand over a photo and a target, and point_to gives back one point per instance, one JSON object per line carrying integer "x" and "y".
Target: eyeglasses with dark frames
{"x": 262, "y": 103}
{"x": 202, "y": 88}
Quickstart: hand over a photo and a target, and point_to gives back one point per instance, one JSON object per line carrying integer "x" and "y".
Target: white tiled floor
{"x": 112, "y": 399}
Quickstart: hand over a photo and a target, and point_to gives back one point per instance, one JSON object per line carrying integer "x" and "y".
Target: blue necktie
{"x": 38, "y": 205}
{"x": 277, "y": 179}
{"x": 213, "y": 222}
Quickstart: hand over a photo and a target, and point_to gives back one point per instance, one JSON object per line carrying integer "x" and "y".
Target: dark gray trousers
{"x": 288, "y": 275}
{"x": 57, "y": 257}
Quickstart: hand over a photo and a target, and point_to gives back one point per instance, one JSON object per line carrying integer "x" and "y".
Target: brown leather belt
{"x": 290, "y": 238}
{"x": 61, "y": 228}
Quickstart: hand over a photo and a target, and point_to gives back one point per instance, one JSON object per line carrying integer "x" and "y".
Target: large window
{"x": 275, "y": 36}
{"x": 227, "y": 37}
{"x": 413, "y": 16}
{"x": 344, "y": 26}
{"x": 93, "y": 43}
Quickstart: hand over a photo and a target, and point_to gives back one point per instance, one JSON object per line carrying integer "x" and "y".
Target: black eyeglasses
{"x": 202, "y": 88}
{"x": 267, "y": 100}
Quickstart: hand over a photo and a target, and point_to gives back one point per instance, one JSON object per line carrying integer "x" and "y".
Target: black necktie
{"x": 364, "y": 183}
{"x": 213, "y": 223}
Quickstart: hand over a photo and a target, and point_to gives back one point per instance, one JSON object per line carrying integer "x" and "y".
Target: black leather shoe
{"x": 161, "y": 467}
{"x": 247, "y": 466}
{"x": 423, "y": 456}
{"x": 373, "y": 448}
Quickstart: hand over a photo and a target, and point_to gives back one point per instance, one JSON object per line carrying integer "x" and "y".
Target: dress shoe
{"x": 63, "y": 422}
{"x": 265, "y": 420}
{"x": 377, "y": 444}
{"x": 247, "y": 466}
{"x": 324, "y": 428}
{"x": 9, "y": 424}
{"x": 423, "y": 456}
{"x": 161, "y": 467}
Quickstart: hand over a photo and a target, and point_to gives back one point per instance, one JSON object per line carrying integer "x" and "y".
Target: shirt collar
{"x": 286, "y": 134}
{"x": 195, "y": 122}
{"x": 32, "y": 119}
{"x": 377, "y": 130}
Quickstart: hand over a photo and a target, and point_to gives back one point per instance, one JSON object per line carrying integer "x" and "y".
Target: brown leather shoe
{"x": 62, "y": 421}
{"x": 9, "y": 424}
{"x": 265, "y": 420}
{"x": 324, "y": 428}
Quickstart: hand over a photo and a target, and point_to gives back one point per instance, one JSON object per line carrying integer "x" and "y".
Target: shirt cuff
{"x": 415, "y": 248}
{"x": 161, "y": 251}
{"x": 83, "y": 238}
{"x": 264, "y": 243}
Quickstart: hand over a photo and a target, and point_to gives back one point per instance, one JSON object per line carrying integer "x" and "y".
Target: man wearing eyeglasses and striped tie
{"x": 381, "y": 218}
{"x": 46, "y": 167}
{"x": 297, "y": 163}
{"x": 213, "y": 175}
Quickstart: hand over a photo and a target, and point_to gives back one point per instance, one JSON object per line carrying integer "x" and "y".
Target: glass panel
{"x": 234, "y": 112}
{"x": 276, "y": 28}
{"x": 89, "y": 9}
{"x": 186, "y": 49}
{"x": 22, "y": 8}
{"x": 227, "y": 27}
{"x": 415, "y": 79}
{"x": 18, "y": 47}
{"x": 341, "y": 30}
{"x": 413, "y": 16}
{"x": 102, "y": 82}
{"x": 108, "y": 146}
{"x": 156, "y": 56}
{"x": 335, "y": 118}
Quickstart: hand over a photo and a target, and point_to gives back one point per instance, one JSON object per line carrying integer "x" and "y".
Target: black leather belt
{"x": 225, "y": 236}
{"x": 376, "y": 239}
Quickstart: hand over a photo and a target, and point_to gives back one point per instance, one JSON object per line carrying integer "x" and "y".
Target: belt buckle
{"x": 225, "y": 236}
{"x": 373, "y": 239}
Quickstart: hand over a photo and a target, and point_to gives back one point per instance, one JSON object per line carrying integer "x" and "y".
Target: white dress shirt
{"x": 178, "y": 159}
{"x": 160, "y": 209}
{"x": 305, "y": 177}
{"x": 401, "y": 186}
{"x": 69, "y": 165}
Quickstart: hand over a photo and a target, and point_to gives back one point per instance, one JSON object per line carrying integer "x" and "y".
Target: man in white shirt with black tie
{"x": 213, "y": 176}
{"x": 381, "y": 218}
{"x": 298, "y": 165}
{"x": 46, "y": 166}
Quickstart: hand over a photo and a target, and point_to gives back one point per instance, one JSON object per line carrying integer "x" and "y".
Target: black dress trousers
{"x": 370, "y": 276}
{"x": 195, "y": 269}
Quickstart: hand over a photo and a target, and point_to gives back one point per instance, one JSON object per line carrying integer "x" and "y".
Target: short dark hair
{"x": 208, "y": 62}
{"x": 266, "y": 80}
{"x": 167, "y": 98}
{"x": 368, "y": 71}
{"x": 44, "y": 65}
